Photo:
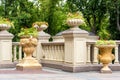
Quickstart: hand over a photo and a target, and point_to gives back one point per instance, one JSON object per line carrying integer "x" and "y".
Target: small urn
{"x": 41, "y": 27}
{"x": 74, "y": 23}
{"x": 4, "y": 27}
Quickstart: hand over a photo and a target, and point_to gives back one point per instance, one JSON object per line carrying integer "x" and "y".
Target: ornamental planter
{"x": 29, "y": 45}
{"x": 74, "y": 23}
{"x": 105, "y": 57}
{"x": 41, "y": 28}
{"x": 5, "y": 24}
{"x": 4, "y": 27}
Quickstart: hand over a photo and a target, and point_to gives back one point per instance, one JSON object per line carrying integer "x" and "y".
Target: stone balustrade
{"x": 74, "y": 50}
{"x": 54, "y": 51}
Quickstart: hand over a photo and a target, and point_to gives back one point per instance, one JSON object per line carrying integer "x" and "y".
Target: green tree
{"x": 114, "y": 11}
{"x": 94, "y": 11}
{"x": 22, "y": 12}
{"x": 53, "y": 13}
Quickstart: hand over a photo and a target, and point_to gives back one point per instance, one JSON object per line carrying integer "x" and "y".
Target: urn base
{"x": 28, "y": 64}
{"x": 106, "y": 69}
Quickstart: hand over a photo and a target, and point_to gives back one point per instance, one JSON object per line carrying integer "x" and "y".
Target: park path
{"x": 55, "y": 74}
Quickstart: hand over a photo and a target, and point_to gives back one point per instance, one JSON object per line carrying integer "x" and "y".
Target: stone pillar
{"x": 58, "y": 37}
{"x": 42, "y": 37}
{"x": 75, "y": 47}
{"x": 5, "y": 47}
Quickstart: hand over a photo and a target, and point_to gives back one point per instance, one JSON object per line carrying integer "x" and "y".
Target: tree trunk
{"x": 118, "y": 17}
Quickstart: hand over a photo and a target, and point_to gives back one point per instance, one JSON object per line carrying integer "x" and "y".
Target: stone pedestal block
{"x": 5, "y": 47}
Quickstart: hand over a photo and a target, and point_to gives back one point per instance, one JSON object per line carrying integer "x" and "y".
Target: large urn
{"x": 105, "y": 57}
{"x": 29, "y": 45}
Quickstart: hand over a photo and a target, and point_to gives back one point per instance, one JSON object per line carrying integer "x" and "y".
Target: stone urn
{"x": 29, "y": 45}
{"x": 41, "y": 28}
{"x": 3, "y": 30}
{"x": 105, "y": 57}
{"x": 4, "y": 27}
{"x": 74, "y": 23}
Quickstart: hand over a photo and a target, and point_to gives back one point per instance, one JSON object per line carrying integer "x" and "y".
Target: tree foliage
{"x": 22, "y": 12}
{"x": 53, "y": 12}
{"x": 101, "y": 16}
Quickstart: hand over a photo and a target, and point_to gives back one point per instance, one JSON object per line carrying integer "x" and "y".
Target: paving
{"x": 55, "y": 74}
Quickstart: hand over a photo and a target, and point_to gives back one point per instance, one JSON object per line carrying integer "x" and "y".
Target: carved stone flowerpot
{"x": 28, "y": 63}
{"x": 4, "y": 27}
{"x": 74, "y": 23}
{"x": 105, "y": 57}
{"x": 41, "y": 28}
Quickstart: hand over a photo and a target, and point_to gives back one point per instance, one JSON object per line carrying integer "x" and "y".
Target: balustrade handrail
{"x": 43, "y": 43}
{"x": 93, "y": 42}
{"x": 15, "y": 43}
{"x": 52, "y": 43}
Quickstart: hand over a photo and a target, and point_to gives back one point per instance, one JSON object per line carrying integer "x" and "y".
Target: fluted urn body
{"x": 106, "y": 57}
{"x": 29, "y": 45}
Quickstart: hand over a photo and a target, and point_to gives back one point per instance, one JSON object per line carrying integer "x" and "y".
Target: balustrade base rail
{"x": 78, "y": 68}
{"x": 67, "y": 67}
{"x": 7, "y": 65}
{"x": 52, "y": 64}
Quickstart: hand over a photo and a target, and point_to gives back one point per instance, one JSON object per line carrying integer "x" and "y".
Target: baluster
{"x": 55, "y": 52}
{"x": 52, "y": 54}
{"x": 62, "y": 51}
{"x": 43, "y": 52}
{"x": 58, "y": 53}
{"x": 116, "y": 54}
{"x": 47, "y": 51}
{"x": 88, "y": 53}
{"x": 95, "y": 55}
{"x": 20, "y": 53}
{"x": 15, "y": 52}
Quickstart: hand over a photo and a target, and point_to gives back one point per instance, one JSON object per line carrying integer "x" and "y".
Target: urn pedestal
{"x": 105, "y": 57}
{"x": 5, "y": 46}
{"x": 28, "y": 63}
